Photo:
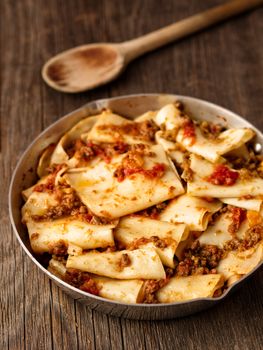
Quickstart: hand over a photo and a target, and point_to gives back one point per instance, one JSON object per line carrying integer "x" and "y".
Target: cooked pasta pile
{"x": 157, "y": 210}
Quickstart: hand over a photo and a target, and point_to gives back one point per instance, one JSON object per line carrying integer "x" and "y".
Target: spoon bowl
{"x": 84, "y": 67}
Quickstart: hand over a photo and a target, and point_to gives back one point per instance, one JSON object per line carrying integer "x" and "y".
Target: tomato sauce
{"x": 223, "y": 176}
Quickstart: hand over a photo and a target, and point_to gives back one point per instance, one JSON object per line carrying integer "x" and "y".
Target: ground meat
{"x": 248, "y": 196}
{"x": 81, "y": 280}
{"x": 34, "y": 235}
{"x": 150, "y": 289}
{"x": 157, "y": 171}
{"x": 49, "y": 184}
{"x": 232, "y": 244}
{"x": 179, "y": 105}
{"x": 238, "y": 215}
{"x": 76, "y": 277}
{"x": 135, "y": 244}
{"x": 158, "y": 242}
{"x": 142, "y": 149}
{"x": 199, "y": 260}
{"x": 55, "y": 168}
{"x": 187, "y": 174}
{"x": 210, "y": 130}
{"x": 237, "y": 162}
{"x": 58, "y": 248}
{"x": 252, "y": 237}
{"x": 223, "y": 176}
{"x": 107, "y": 151}
{"x": 144, "y": 131}
{"x": 245, "y": 174}
{"x": 133, "y": 160}
{"x": 90, "y": 286}
{"x": 70, "y": 205}
{"x": 170, "y": 135}
{"x": 208, "y": 199}
{"x": 147, "y": 130}
{"x": 189, "y": 131}
{"x": 169, "y": 272}
{"x": 216, "y": 215}
{"x": 251, "y": 166}
{"x": 184, "y": 268}
{"x": 152, "y": 212}
{"x": 124, "y": 261}
{"x": 132, "y": 163}
{"x": 109, "y": 249}
{"x": 218, "y": 293}
{"x": 85, "y": 152}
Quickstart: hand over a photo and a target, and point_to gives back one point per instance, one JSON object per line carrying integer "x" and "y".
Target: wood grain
{"x": 223, "y": 65}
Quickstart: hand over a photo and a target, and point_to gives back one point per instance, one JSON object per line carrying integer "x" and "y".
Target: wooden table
{"x": 223, "y": 65}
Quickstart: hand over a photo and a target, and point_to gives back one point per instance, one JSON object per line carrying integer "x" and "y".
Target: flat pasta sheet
{"x": 141, "y": 230}
{"x": 101, "y": 191}
{"x": 46, "y": 235}
{"x": 193, "y": 211}
{"x": 200, "y": 187}
{"x": 109, "y": 264}
{"x": 188, "y": 288}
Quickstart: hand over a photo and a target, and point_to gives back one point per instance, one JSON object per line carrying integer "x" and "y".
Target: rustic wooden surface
{"x": 223, "y": 65}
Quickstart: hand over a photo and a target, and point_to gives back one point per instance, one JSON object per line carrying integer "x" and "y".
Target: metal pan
{"x": 130, "y": 106}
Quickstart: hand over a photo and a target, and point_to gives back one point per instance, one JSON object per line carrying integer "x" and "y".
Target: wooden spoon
{"x": 88, "y": 66}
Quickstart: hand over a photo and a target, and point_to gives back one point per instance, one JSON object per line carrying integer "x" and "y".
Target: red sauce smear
{"x": 189, "y": 131}
{"x": 50, "y": 183}
{"x": 157, "y": 171}
{"x": 223, "y": 176}
{"x": 106, "y": 153}
{"x": 237, "y": 217}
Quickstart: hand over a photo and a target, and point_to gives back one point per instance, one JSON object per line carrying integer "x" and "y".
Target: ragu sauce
{"x": 223, "y": 176}
{"x": 189, "y": 131}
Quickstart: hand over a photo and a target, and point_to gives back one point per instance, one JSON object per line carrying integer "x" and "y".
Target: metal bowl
{"x": 130, "y": 106}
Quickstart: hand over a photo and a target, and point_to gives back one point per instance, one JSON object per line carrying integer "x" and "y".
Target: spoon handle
{"x": 139, "y": 46}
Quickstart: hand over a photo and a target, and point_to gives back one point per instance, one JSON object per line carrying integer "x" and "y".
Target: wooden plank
{"x": 21, "y": 122}
{"x": 85, "y": 328}
{"x": 64, "y": 325}
{"x": 101, "y": 331}
{"x": 133, "y": 334}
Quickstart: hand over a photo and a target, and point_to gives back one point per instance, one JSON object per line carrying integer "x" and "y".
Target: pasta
{"x": 202, "y": 169}
{"x": 104, "y": 194}
{"x": 187, "y": 288}
{"x": 249, "y": 204}
{"x": 43, "y": 236}
{"x": 127, "y": 291}
{"x": 213, "y": 150}
{"x": 193, "y": 211}
{"x": 161, "y": 209}
{"x": 218, "y": 233}
{"x": 110, "y": 264}
{"x": 141, "y": 231}
{"x": 240, "y": 263}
